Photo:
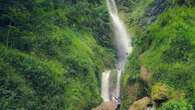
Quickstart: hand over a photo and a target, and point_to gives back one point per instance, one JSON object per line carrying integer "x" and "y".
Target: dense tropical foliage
{"x": 52, "y": 53}
{"x": 164, "y": 46}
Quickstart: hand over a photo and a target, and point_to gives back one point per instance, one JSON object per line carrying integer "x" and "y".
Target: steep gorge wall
{"x": 163, "y": 48}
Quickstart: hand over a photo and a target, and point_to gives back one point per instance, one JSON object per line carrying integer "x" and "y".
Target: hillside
{"x": 52, "y": 53}
{"x": 162, "y": 63}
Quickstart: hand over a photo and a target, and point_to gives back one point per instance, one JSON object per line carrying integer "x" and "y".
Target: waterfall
{"x": 105, "y": 86}
{"x": 124, "y": 48}
{"x": 117, "y": 94}
{"x": 122, "y": 39}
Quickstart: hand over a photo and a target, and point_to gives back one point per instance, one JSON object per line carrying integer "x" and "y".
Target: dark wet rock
{"x": 153, "y": 10}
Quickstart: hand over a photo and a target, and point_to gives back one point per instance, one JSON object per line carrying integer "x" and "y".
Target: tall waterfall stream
{"x": 124, "y": 48}
{"x": 110, "y": 86}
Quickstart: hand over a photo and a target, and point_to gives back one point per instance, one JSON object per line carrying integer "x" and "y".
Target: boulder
{"x": 140, "y": 104}
{"x": 161, "y": 92}
{"x": 106, "y": 106}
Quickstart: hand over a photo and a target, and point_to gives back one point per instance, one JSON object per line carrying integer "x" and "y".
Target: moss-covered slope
{"x": 163, "y": 50}
{"x": 52, "y": 53}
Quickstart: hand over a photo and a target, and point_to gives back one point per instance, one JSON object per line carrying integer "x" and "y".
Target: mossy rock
{"x": 160, "y": 92}
{"x": 140, "y": 104}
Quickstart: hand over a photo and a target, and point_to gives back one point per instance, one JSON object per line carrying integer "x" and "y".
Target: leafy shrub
{"x": 178, "y": 51}
{"x": 184, "y": 2}
{"x": 176, "y": 105}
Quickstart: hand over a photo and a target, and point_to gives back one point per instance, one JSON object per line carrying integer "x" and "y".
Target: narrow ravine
{"x": 110, "y": 95}
{"x": 124, "y": 48}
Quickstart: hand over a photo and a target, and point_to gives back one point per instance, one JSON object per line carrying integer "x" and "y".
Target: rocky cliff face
{"x": 153, "y": 10}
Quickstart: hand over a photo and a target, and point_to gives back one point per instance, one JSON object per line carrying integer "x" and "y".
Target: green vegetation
{"x": 171, "y": 53}
{"x": 165, "y": 47}
{"x": 176, "y": 105}
{"x": 52, "y": 53}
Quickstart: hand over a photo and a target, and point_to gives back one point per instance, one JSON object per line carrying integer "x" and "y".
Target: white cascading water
{"x": 123, "y": 44}
{"x": 105, "y": 86}
{"x": 122, "y": 39}
{"x": 124, "y": 48}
